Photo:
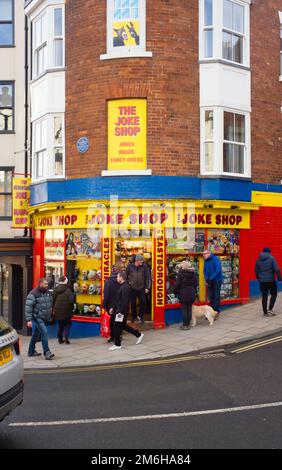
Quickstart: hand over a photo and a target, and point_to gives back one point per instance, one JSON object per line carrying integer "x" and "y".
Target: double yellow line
{"x": 260, "y": 344}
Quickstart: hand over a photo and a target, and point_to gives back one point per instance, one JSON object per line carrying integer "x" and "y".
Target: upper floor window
{"x": 225, "y": 147}
{"x": 48, "y": 147}
{"x": 126, "y": 28}
{"x": 6, "y": 107}
{"x": 280, "y": 16}
{"x": 48, "y": 40}
{"x": 233, "y": 31}
{"x": 6, "y": 176}
{"x": 208, "y": 28}
{"x": 6, "y": 23}
{"x": 225, "y": 30}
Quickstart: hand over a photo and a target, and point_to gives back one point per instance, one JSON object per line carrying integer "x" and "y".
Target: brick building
{"x": 156, "y": 129}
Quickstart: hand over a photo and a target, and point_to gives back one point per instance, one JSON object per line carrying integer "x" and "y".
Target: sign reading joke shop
{"x": 127, "y": 134}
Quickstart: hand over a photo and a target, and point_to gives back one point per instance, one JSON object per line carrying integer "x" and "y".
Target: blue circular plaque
{"x": 82, "y": 144}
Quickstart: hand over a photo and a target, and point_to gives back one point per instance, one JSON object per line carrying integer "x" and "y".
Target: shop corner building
{"x": 156, "y": 129}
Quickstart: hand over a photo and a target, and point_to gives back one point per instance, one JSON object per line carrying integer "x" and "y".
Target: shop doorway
{"x": 125, "y": 251}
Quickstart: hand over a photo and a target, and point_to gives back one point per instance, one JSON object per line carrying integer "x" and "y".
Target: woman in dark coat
{"x": 63, "y": 303}
{"x": 185, "y": 288}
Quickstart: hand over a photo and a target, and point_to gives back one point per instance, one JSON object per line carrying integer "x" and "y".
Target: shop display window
{"x": 230, "y": 283}
{"x": 126, "y": 249}
{"x": 172, "y": 269}
{"x": 54, "y": 256}
{"x": 185, "y": 241}
{"x": 83, "y": 266}
{"x": 223, "y": 241}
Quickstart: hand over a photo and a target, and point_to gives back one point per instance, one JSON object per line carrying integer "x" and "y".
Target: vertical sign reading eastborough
{"x": 127, "y": 134}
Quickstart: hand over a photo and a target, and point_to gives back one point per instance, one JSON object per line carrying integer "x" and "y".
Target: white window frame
{"x": 123, "y": 52}
{"x": 39, "y": 149}
{"x": 49, "y": 43}
{"x": 218, "y": 140}
{"x": 41, "y": 47}
{"x": 280, "y": 18}
{"x": 49, "y": 149}
{"x": 218, "y": 30}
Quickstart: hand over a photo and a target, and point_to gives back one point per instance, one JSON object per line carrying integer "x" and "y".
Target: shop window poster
{"x": 193, "y": 242}
{"x": 223, "y": 241}
{"x": 83, "y": 244}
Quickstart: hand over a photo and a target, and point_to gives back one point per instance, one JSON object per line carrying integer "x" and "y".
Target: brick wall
{"x": 266, "y": 92}
{"x": 169, "y": 80}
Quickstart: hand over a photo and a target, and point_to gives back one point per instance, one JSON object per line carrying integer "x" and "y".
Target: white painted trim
{"x": 126, "y": 173}
{"x": 126, "y": 55}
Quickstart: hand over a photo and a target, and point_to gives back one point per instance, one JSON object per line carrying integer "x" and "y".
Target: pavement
{"x": 234, "y": 326}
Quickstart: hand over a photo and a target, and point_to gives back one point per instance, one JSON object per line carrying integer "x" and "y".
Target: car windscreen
{"x": 4, "y": 327}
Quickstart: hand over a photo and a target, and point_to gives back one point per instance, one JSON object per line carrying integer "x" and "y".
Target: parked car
{"x": 11, "y": 369}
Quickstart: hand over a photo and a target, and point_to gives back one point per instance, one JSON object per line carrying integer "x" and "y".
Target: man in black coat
{"x": 63, "y": 303}
{"x": 139, "y": 278}
{"x": 266, "y": 269}
{"x": 120, "y": 319}
{"x": 111, "y": 289}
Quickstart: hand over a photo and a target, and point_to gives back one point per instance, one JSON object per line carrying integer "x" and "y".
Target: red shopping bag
{"x": 105, "y": 325}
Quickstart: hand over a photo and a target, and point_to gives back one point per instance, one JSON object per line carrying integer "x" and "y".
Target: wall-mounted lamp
{"x": 60, "y": 207}
{"x": 234, "y": 207}
{"x": 208, "y": 206}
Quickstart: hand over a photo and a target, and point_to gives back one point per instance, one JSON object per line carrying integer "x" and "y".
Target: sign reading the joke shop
{"x": 21, "y": 196}
{"x": 127, "y": 134}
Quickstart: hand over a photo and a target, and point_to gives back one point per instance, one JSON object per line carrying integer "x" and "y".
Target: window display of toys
{"x": 223, "y": 241}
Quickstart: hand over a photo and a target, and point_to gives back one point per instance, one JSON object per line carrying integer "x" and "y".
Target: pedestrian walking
{"x": 139, "y": 279}
{"x": 111, "y": 289}
{"x": 38, "y": 311}
{"x": 213, "y": 276}
{"x": 185, "y": 289}
{"x": 266, "y": 270}
{"x": 120, "y": 320}
{"x": 63, "y": 303}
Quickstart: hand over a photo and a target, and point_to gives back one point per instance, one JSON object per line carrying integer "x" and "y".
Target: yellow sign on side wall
{"x": 21, "y": 197}
{"x": 127, "y": 134}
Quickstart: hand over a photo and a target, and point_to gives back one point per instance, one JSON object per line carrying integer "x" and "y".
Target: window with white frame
{"x": 209, "y": 141}
{"x": 233, "y": 31}
{"x": 225, "y": 141}
{"x": 7, "y": 108}
{"x": 225, "y": 30}
{"x": 40, "y": 149}
{"x": 208, "y": 28}
{"x": 48, "y": 40}
{"x": 234, "y": 143}
{"x": 280, "y": 19}
{"x": 126, "y": 28}
{"x": 58, "y": 151}
{"x": 40, "y": 45}
{"x": 48, "y": 147}
{"x": 6, "y": 177}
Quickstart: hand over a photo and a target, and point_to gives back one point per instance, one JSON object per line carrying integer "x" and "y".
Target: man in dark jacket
{"x": 38, "y": 311}
{"x": 122, "y": 308}
{"x": 139, "y": 279}
{"x": 185, "y": 288}
{"x": 63, "y": 303}
{"x": 266, "y": 269}
{"x": 111, "y": 289}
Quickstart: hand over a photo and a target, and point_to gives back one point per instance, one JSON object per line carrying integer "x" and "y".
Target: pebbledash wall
{"x": 185, "y": 87}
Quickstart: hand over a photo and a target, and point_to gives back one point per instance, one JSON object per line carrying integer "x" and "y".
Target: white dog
{"x": 203, "y": 311}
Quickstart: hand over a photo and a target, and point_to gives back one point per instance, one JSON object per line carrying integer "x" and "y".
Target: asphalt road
{"x": 88, "y": 403}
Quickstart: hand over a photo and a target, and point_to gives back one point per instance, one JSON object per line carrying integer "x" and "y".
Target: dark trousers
{"x": 187, "y": 313}
{"x": 64, "y": 328}
{"x": 140, "y": 295}
{"x": 266, "y": 288}
{"x": 112, "y": 324}
{"x": 119, "y": 326}
{"x": 214, "y": 294}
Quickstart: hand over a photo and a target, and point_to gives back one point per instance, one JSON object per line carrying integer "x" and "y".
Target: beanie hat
{"x": 139, "y": 257}
{"x": 266, "y": 250}
{"x": 63, "y": 280}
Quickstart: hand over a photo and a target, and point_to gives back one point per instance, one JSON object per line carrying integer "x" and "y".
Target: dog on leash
{"x": 203, "y": 311}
